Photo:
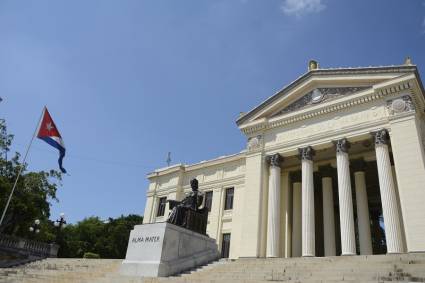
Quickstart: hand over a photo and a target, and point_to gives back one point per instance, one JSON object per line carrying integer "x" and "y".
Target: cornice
{"x": 181, "y": 168}
{"x": 240, "y": 181}
{"x": 166, "y": 170}
{"x": 217, "y": 161}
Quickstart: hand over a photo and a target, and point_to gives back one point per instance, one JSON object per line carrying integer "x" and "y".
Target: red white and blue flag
{"x": 48, "y": 132}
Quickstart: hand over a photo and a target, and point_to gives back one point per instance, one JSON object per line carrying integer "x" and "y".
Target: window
{"x": 208, "y": 200}
{"x": 161, "y": 206}
{"x": 228, "y": 204}
{"x": 225, "y": 246}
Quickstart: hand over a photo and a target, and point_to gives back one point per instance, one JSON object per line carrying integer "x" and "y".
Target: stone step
{"x": 315, "y": 270}
{"x": 368, "y": 269}
{"x": 303, "y": 268}
{"x": 318, "y": 262}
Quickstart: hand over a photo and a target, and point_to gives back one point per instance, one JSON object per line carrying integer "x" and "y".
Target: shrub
{"x": 90, "y": 255}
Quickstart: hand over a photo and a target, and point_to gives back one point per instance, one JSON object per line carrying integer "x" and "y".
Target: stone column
{"x": 328, "y": 212}
{"x": 346, "y": 215}
{"x": 393, "y": 233}
{"x": 400, "y": 212}
{"x": 363, "y": 219}
{"x": 286, "y": 214}
{"x": 296, "y": 219}
{"x": 273, "y": 215}
{"x": 308, "y": 236}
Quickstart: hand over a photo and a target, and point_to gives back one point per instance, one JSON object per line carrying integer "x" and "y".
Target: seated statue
{"x": 187, "y": 213}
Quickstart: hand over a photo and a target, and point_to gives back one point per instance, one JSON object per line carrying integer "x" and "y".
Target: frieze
{"x": 320, "y": 95}
{"x": 330, "y": 125}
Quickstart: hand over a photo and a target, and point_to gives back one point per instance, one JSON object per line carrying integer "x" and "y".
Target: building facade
{"x": 334, "y": 165}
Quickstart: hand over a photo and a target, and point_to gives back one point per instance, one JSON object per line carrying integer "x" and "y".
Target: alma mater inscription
{"x": 146, "y": 239}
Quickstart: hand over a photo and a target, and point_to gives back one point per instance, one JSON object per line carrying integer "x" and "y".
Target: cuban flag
{"x": 48, "y": 132}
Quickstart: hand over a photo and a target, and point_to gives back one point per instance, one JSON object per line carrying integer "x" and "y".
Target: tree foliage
{"x": 33, "y": 194}
{"x": 108, "y": 238}
{"x": 32, "y": 198}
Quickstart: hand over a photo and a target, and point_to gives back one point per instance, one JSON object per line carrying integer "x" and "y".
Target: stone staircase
{"x": 378, "y": 268}
{"x": 61, "y": 270}
{"x": 367, "y": 269}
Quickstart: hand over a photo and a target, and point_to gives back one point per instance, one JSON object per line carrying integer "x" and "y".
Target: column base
{"x": 348, "y": 254}
{"x": 309, "y": 255}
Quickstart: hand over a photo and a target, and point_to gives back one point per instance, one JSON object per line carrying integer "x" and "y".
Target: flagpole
{"x": 21, "y": 168}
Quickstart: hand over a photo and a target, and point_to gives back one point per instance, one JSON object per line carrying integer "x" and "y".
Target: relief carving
{"x": 400, "y": 105}
{"x": 320, "y": 95}
{"x": 254, "y": 142}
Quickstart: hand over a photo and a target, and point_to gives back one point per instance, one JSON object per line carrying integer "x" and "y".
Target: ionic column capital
{"x": 306, "y": 153}
{"x": 381, "y": 137}
{"x": 275, "y": 160}
{"x": 342, "y": 145}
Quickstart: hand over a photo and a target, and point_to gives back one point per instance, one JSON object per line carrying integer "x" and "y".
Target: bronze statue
{"x": 187, "y": 213}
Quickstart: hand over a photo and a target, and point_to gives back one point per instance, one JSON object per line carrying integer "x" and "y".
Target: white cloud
{"x": 301, "y": 7}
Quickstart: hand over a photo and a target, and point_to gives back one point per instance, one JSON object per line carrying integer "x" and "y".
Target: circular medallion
{"x": 398, "y": 105}
{"x": 316, "y": 96}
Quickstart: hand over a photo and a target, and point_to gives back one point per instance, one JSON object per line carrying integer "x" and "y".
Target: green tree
{"x": 117, "y": 231}
{"x": 32, "y": 196}
{"x": 107, "y": 238}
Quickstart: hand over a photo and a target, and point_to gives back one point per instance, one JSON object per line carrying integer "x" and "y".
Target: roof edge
{"x": 188, "y": 167}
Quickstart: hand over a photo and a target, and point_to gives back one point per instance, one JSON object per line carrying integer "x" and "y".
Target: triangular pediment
{"x": 319, "y": 95}
{"x": 321, "y": 86}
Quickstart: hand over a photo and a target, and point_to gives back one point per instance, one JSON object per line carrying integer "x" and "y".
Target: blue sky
{"x": 128, "y": 81}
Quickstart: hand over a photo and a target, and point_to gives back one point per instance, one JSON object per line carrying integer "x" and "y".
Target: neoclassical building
{"x": 334, "y": 165}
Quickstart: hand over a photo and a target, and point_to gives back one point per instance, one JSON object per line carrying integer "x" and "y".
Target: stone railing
{"x": 29, "y": 247}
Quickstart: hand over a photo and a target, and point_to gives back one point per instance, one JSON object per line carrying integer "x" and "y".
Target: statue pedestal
{"x": 164, "y": 249}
